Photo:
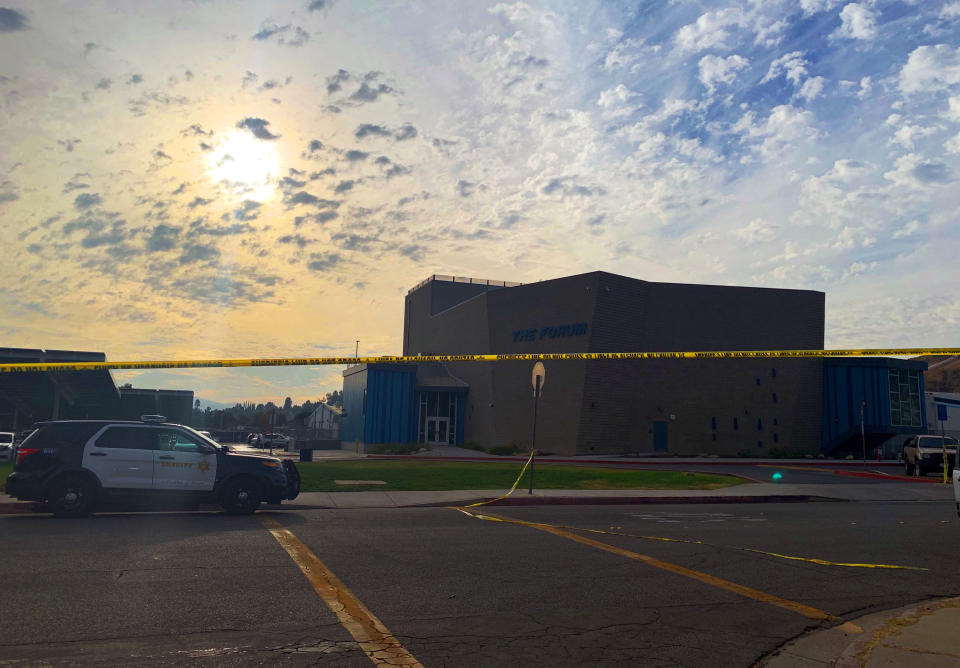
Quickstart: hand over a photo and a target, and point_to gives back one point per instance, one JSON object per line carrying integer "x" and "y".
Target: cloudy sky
{"x": 204, "y": 179}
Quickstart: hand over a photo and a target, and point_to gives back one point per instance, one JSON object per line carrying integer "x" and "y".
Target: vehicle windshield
{"x": 205, "y": 438}
{"x": 6, "y": 438}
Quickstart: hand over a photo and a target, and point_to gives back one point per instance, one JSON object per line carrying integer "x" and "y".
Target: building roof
{"x": 434, "y": 376}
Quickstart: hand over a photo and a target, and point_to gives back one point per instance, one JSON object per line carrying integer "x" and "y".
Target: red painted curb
{"x": 882, "y": 476}
{"x": 639, "y": 462}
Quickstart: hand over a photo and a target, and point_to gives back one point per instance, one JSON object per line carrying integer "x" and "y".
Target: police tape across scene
{"x": 505, "y": 357}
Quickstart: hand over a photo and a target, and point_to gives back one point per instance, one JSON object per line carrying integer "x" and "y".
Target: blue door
{"x": 660, "y": 436}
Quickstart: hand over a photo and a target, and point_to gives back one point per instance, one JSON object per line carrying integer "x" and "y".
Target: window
{"x": 905, "y": 397}
{"x": 759, "y": 424}
{"x": 129, "y": 438}
{"x": 774, "y": 397}
{"x": 713, "y": 423}
{"x": 177, "y": 441}
{"x": 773, "y": 373}
{"x": 759, "y": 444}
{"x": 758, "y": 381}
{"x": 736, "y": 424}
{"x": 776, "y": 437}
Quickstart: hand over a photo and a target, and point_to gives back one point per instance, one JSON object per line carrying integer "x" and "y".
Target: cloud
{"x": 287, "y": 35}
{"x": 356, "y": 156}
{"x": 716, "y": 70}
{"x": 405, "y": 132}
{"x": 756, "y": 231}
{"x": 296, "y": 239}
{"x": 134, "y": 80}
{"x": 103, "y": 84}
{"x": 811, "y": 89}
{"x": 317, "y": 5}
{"x": 301, "y": 197}
{"x": 87, "y": 200}
{"x": 257, "y": 127}
{"x": 319, "y": 218}
{"x": 249, "y": 210}
{"x": 336, "y": 81}
{"x": 907, "y": 230}
{"x": 857, "y": 22}
{"x": 709, "y": 31}
{"x": 368, "y": 93}
{"x": 163, "y": 238}
{"x": 465, "y": 188}
{"x": 68, "y": 144}
{"x": 199, "y": 253}
{"x": 566, "y": 187}
{"x": 930, "y": 69}
{"x": 198, "y": 201}
{"x": 933, "y": 172}
{"x": 791, "y": 65}
{"x": 8, "y": 192}
{"x": 321, "y": 262}
{"x": 11, "y": 20}
{"x": 344, "y": 186}
{"x": 370, "y": 130}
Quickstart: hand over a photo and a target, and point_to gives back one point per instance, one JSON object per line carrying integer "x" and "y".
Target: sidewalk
{"x": 916, "y": 635}
{"x": 761, "y": 492}
{"x": 758, "y": 492}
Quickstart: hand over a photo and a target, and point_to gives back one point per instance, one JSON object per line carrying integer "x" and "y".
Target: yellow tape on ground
{"x": 812, "y": 560}
{"x": 512, "y": 357}
{"x": 515, "y": 483}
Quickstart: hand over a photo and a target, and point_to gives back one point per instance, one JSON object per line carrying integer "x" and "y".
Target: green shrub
{"x": 511, "y": 449}
{"x": 394, "y": 448}
{"x": 470, "y": 445}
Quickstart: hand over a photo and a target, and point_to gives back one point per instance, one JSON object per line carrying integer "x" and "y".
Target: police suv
{"x": 73, "y": 464}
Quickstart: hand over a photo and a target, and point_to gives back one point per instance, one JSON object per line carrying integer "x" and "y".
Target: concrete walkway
{"x": 749, "y": 492}
{"x": 917, "y": 635}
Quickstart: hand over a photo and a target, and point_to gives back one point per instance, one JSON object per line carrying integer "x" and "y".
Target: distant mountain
{"x": 942, "y": 374}
{"x": 214, "y": 405}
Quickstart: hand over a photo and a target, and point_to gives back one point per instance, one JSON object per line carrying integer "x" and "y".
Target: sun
{"x": 244, "y": 165}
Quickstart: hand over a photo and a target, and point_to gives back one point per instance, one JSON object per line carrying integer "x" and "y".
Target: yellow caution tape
{"x": 515, "y": 483}
{"x": 507, "y": 357}
{"x": 812, "y": 560}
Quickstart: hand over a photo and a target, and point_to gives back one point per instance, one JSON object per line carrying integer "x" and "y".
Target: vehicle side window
{"x": 130, "y": 438}
{"x": 179, "y": 441}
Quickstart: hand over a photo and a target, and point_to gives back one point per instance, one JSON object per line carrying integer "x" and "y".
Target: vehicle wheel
{"x": 71, "y": 496}
{"x": 241, "y": 496}
{"x": 908, "y": 468}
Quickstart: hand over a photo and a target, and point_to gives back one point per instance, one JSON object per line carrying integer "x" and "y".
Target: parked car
{"x": 255, "y": 440}
{"x": 924, "y": 454}
{"x": 208, "y": 435}
{"x": 275, "y": 441}
{"x": 6, "y": 445}
{"x": 72, "y": 465}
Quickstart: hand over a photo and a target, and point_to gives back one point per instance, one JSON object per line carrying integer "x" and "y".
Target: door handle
{"x": 164, "y": 457}
{"x": 98, "y": 454}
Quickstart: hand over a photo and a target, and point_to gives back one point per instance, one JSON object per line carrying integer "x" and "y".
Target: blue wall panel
{"x": 847, "y": 383}
{"x": 389, "y": 405}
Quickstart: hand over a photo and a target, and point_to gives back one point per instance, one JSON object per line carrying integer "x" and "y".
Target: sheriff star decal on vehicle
{"x": 203, "y": 466}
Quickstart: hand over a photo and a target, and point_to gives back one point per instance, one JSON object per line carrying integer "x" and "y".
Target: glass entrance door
{"x": 437, "y": 431}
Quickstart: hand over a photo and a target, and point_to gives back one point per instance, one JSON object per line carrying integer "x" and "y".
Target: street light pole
{"x": 356, "y": 353}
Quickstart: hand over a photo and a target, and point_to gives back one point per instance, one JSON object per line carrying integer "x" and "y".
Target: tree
{"x": 287, "y": 404}
{"x": 334, "y": 398}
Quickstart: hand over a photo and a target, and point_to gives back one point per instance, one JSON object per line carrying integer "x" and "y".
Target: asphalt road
{"x": 205, "y": 588}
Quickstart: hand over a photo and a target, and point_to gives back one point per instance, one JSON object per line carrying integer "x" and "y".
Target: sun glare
{"x": 244, "y": 165}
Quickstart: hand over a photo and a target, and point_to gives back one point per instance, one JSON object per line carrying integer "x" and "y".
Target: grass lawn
{"x": 5, "y": 469}
{"x": 413, "y": 476}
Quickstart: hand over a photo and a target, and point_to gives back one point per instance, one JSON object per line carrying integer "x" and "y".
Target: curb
{"x": 883, "y": 476}
{"x": 20, "y": 508}
{"x": 681, "y": 461}
{"x": 641, "y": 500}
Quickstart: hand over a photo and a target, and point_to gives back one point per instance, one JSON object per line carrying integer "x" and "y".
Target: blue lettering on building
{"x": 554, "y": 332}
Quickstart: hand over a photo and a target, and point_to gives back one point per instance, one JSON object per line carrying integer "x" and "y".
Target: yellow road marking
{"x": 712, "y": 580}
{"x": 376, "y": 641}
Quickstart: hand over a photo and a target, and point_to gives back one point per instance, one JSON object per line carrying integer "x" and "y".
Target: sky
{"x": 204, "y": 179}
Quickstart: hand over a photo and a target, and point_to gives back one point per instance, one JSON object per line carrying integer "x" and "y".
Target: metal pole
{"x": 533, "y": 441}
{"x": 943, "y": 445}
{"x": 356, "y": 353}
{"x": 863, "y": 434}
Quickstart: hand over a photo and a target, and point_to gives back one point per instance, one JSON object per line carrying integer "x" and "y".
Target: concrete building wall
{"x": 619, "y": 405}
